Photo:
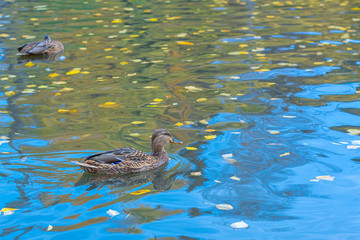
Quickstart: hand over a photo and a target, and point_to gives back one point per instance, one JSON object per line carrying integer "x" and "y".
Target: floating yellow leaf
{"x": 9, "y": 93}
{"x": 8, "y": 209}
{"x": 66, "y": 89}
{"x": 123, "y": 63}
{"x": 109, "y": 104}
{"x": 58, "y": 82}
{"x": 134, "y": 134}
{"x": 285, "y": 154}
{"x": 29, "y": 64}
{"x": 116, "y": 21}
{"x": 137, "y": 122}
{"x": 135, "y": 35}
{"x": 201, "y": 99}
{"x": 153, "y": 19}
{"x": 185, "y": 43}
{"x": 179, "y": 124}
{"x": 210, "y": 137}
{"x": 33, "y": 19}
{"x": 53, "y": 75}
{"x": 204, "y": 122}
{"x": 224, "y": 206}
{"x": 273, "y": 132}
{"x": 210, "y": 130}
{"x": 67, "y": 111}
{"x": 195, "y": 173}
{"x": 4, "y": 35}
{"x": 74, "y": 71}
{"x": 191, "y": 148}
{"x": 42, "y": 86}
{"x": 158, "y": 100}
{"x": 107, "y": 49}
{"x": 141, "y": 191}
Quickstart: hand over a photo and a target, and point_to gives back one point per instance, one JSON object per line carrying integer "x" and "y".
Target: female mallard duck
{"x": 46, "y": 46}
{"x": 130, "y": 160}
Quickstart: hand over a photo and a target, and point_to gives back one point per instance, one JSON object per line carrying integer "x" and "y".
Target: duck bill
{"x": 175, "y": 141}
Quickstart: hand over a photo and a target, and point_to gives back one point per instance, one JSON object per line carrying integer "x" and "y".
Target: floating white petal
{"x": 224, "y": 206}
{"x": 237, "y": 225}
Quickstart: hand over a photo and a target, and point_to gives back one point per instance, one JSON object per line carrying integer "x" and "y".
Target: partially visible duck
{"x": 46, "y": 46}
{"x": 130, "y": 160}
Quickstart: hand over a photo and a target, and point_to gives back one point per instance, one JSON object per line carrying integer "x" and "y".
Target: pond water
{"x": 264, "y": 95}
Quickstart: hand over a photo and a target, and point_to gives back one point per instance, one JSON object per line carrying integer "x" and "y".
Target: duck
{"x": 46, "y": 46}
{"x": 130, "y": 160}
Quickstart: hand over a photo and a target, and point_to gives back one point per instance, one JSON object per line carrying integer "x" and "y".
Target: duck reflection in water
{"x": 160, "y": 178}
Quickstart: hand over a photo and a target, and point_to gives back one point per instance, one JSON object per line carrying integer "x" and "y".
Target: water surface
{"x": 264, "y": 95}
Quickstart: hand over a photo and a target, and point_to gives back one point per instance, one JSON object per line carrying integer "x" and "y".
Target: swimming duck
{"x": 46, "y": 46}
{"x": 130, "y": 160}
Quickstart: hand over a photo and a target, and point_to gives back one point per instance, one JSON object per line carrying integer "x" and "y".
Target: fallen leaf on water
{"x": 141, "y": 191}
{"x": 353, "y": 131}
{"x": 58, "y": 82}
{"x": 210, "y": 137}
{"x": 285, "y": 154}
{"x": 274, "y": 132}
{"x": 195, "y": 173}
{"x": 74, "y": 71}
{"x": 191, "y": 148}
{"x": 217, "y": 181}
{"x": 352, "y": 146}
{"x": 29, "y": 64}
{"x": 325, "y": 177}
{"x": 112, "y": 213}
{"x": 67, "y": 111}
{"x": 224, "y": 206}
{"x": 49, "y": 228}
{"x": 237, "y": 225}
{"x": 157, "y": 100}
{"x": 235, "y": 178}
{"x": 179, "y": 124}
{"x": 137, "y": 122}
{"x": 8, "y": 211}
{"x": 53, "y": 75}
{"x": 201, "y": 99}
{"x": 227, "y": 155}
{"x": 185, "y": 43}
{"x": 109, "y": 104}
{"x": 9, "y": 93}
{"x": 193, "y": 89}
{"x": 285, "y": 116}
{"x": 116, "y": 21}
{"x": 210, "y": 130}
{"x": 134, "y": 134}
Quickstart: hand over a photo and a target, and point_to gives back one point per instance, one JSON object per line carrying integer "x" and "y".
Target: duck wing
{"x": 118, "y": 155}
{"x": 33, "y": 48}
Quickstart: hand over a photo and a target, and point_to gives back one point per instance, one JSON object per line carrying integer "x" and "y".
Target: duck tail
{"x": 81, "y": 164}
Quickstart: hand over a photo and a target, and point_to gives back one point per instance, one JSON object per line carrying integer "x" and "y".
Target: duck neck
{"x": 157, "y": 149}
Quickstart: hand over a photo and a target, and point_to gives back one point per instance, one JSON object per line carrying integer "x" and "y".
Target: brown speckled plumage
{"x": 46, "y": 46}
{"x": 130, "y": 160}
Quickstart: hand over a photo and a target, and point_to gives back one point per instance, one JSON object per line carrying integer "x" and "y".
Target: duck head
{"x": 159, "y": 138}
{"x": 46, "y": 39}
